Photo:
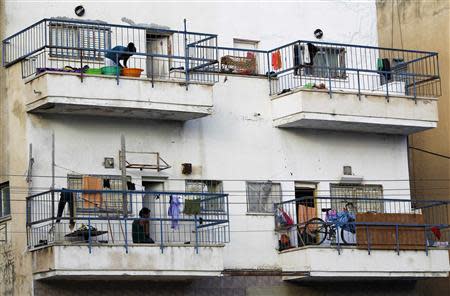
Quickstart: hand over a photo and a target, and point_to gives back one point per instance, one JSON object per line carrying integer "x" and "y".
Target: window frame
{"x": 79, "y": 209}
{"x": 323, "y": 73}
{"x": 3, "y": 215}
{"x": 365, "y": 189}
{"x": 259, "y": 212}
{"x": 204, "y": 205}
{"x": 96, "y": 56}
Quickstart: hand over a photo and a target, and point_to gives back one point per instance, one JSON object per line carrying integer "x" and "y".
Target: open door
{"x": 158, "y": 44}
{"x": 156, "y": 204}
{"x": 306, "y": 210}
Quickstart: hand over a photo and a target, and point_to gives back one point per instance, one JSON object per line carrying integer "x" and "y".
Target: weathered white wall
{"x": 140, "y": 261}
{"x": 274, "y": 24}
{"x": 234, "y": 144}
{"x": 321, "y": 262}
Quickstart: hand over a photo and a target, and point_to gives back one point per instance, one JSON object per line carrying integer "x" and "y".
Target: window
{"x": 261, "y": 196}
{"x": 111, "y": 203}
{"x": 5, "y": 206}
{"x": 245, "y": 44}
{"x": 208, "y": 186}
{"x": 90, "y": 38}
{"x": 325, "y": 57}
{"x": 370, "y": 197}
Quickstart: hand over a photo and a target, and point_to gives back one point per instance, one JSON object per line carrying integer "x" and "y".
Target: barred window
{"x": 370, "y": 197}
{"x": 5, "y": 206}
{"x": 325, "y": 57}
{"x": 77, "y": 37}
{"x": 108, "y": 202}
{"x": 261, "y": 196}
{"x": 208, "y": 186}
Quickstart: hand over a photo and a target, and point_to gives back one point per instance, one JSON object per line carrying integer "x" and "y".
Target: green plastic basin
{"x": 97, "y": 71}
{"x": 110, "y": 70}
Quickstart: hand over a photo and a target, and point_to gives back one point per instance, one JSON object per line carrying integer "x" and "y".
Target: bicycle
{"x": 316, "y": 230}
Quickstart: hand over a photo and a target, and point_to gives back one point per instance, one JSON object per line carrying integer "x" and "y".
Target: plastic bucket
{"x": 96, "y": 71}
{"x": 110, "y": 70}
{"x": 132, "y": 72}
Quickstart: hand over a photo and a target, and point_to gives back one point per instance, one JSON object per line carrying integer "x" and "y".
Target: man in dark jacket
{"x": 122, "y": 53}
{"x": 140, "y": 228}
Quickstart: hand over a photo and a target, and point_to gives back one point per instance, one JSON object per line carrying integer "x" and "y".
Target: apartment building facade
{"x": 244, "y": 130}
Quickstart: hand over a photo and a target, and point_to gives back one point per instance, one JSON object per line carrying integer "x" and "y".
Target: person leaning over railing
{"x": 122, "y": 53}
{"x": 140, "y": 228}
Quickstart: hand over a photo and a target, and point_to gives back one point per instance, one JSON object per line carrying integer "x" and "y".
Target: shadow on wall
{"x": 227, "y": 285}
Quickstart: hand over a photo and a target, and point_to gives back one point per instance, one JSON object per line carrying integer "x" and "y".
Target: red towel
{"x": 276, "y": 60}
{"x": 436, "y": 232}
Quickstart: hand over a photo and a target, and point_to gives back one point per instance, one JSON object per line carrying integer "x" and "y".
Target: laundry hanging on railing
{"x": 191, "y": 207}
{"x": 310, "y": 52}
{"x": 385, "y": 66}
{"x": 94, "y": 199}
{"x": 276, "y": 60}
{"x": 174, "y": 210}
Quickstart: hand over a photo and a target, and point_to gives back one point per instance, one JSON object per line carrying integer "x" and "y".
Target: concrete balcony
{"x": 100, "y": 95}
{"x": 322, "y": 263}
{"x": 345, "y": 111}
{"x": 141, "y": 262}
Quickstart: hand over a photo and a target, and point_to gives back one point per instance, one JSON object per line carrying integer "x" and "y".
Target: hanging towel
{"x": 91, "y": 200}
{"x": 131, "y": 186}
{"x": 276, "y": 60}
{"x": 174, "y": 210}
{"x": 192, "y": 207}
{"x": 310, "y": 52}
{"x": 306, "y": 56}
{"x": 107, "y": 183}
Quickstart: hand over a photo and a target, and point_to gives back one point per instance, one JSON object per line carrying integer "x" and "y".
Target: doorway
{"x": 155, "y": 202}
{"x": 159, "y": 44}
{"x": 306, "y": 209}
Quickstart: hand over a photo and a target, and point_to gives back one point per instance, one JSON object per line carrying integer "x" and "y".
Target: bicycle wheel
{"x": 316, "y": 231}
{"x": 348, "y": 237}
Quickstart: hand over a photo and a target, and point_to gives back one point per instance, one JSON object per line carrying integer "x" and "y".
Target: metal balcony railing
{"x": 364, "y": 223}
{"x": 337, "y": 67}
{"x": 114, "y": 217}
{"x": 66, "y": 45}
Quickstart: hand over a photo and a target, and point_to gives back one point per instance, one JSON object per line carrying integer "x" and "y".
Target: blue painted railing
{"x": 88, "y": 217}
{"x": 364, "y": 223}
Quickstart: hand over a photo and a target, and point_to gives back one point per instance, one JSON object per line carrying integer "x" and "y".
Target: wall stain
{"x": 19, "y": 111}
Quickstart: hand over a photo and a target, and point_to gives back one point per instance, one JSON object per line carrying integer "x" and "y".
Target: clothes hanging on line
{"x": 92, "y": 199}
{"x": 66, "y": 198}
{"x": 276, "y": 60}
{"x": 174, "y": 210}
{"x": 107, "y": 183}
{"x": 131, "y": 186}
{"x": 191, "y": 207}
{"x": 310, "y": 52}
{"x": 385, "y": 66}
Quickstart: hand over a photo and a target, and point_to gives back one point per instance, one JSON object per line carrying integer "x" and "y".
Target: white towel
{"x": 306, "y": 57}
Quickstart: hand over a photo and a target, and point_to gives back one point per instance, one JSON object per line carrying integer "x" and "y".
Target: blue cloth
{"x": 174, "y": 210}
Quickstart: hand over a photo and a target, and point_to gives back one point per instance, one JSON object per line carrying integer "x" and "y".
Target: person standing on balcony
{"x": 122, "y": 53}
{"x": 140, "y": 228}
